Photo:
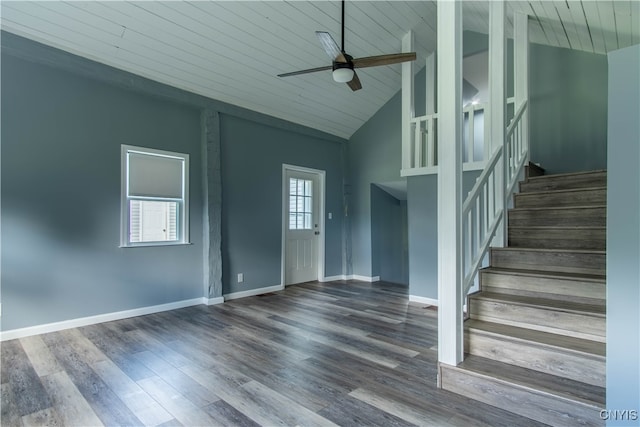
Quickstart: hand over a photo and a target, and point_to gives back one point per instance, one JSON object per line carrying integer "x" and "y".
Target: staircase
{"x": 535, "y": 337}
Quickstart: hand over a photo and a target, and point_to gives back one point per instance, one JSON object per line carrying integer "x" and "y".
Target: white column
{"x": 408, "y": 111}
{"x": 497, "y": 104}
{"x": 521, "y": 72}
{"x": 450, "y": 344}
{"x": 430, "y": 86}
{"x": 430, "y": 107}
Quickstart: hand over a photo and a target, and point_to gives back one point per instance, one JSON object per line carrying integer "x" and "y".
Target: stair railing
{"x": 483, "y": 211}
{"x": 423, "y": 140}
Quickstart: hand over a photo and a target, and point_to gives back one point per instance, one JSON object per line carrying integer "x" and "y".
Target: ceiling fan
{"x": 344, "y": 65}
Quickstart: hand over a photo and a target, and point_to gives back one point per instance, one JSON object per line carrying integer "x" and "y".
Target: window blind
{"x": 155, "y": 176}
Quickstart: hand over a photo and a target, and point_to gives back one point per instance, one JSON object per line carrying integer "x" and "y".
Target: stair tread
{"x": 546, "y": 208}
{"x": 528, "y": 378}
{"x": 567, "y": 175}
{"x": 560, "y": 227}
{"x": 562, "y": 190}
{"x": 544, "y": 303}
{"x": 547, "y": 274}
{"x": 586, "y": 251}
{"x": 566, "y": 343}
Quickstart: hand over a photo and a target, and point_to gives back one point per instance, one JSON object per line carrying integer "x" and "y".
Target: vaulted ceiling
{"x": 232, "y": 50}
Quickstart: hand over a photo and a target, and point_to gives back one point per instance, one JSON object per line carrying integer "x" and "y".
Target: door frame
{"x": 321, "y": 221}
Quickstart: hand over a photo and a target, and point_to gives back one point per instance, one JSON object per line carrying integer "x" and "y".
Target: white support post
{"x": 450, "y": 298}
{"x": 430, "y": 86}
{"x": 430, "y": 106}
{"x": 497, "y": 106}
{"x": 408, "y": 111}
{"x": 521, "y": 72}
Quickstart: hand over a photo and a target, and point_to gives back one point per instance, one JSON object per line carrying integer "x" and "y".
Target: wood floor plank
{"x": 350, "y": 411}
{"x": 118, "y": 349}
{"x": 9, "y": 414}
{"x": 28, "y": 393}
{"x": 346, "y": 353}
{"x": 147, "y": 410}
{"x": 70, "y": 404}
{"x": 43, "y": 362}
{"x": 108, "y": 407}
{"x": 190, "y": 389}
{"x": 226, "y": 415}
{"x": 46, "y": 417}
{"x": 422, "y": 414}
{"x": 175, "y": 403}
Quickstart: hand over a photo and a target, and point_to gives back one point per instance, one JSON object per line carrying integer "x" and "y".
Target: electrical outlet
{"x": 240, "y": 277}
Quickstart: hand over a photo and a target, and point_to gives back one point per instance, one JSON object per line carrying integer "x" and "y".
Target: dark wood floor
{"x": 346, "y": 353}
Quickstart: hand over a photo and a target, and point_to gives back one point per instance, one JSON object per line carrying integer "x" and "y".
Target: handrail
{"x": 482, "y": 210}
{"x": 516, "y": 119}
{"x": 479, "y": 181}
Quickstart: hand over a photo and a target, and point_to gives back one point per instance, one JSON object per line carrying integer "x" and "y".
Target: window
{"x": 155, "y": 190}
{"x": 300, "y": 204}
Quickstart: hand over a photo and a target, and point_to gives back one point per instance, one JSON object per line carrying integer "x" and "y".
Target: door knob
{"x": 316, "y": 233}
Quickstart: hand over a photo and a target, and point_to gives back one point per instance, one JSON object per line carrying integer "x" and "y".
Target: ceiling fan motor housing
{"x": 342, "y": 72}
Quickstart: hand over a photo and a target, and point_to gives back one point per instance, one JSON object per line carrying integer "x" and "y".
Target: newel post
{"x": 521, "y": 72}
{"x": 449, "y": 65}
{"x": 408, "y": 111}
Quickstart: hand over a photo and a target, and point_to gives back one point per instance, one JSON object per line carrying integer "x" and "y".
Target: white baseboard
{"x": 423, "y": 300}
{"x": 100, "y": 318}
{"x": 252, "y": 292}
{"x": 333, "y": 278}
{"x": 370, "y": 279}
{"x": 212, "y": 301}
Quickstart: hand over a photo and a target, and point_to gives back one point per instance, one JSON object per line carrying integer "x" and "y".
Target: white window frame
{"x": 183, "y": 202}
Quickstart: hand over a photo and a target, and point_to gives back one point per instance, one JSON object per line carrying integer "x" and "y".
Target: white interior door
{"x": 302, "y": 226}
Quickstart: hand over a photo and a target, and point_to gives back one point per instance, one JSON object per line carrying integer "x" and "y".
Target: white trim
{"x": 183, "y": 202}
{"x": 212, "y": 301}
{"x": 333, "y": 278}
{"x": 252, "y": 292}
{"x": 321, "y": 223}
{"x": 370, "y": 279}
{"x": 433, "y": 170}
{"x": 92, "y": 320}
{"x": 423, "y": 300}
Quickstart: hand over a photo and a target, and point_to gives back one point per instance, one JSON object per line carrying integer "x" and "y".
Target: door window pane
{"x": 300, "y": 204}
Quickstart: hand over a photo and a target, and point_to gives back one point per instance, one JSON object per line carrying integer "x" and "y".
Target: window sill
{"x": 154, "y": 244}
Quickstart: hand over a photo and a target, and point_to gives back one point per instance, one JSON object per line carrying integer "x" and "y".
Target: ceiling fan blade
{"x": 310, "y": 70}
{"x": 355, "y": 84}
{"x": 393, "y": 58}
{"x": 329, "y": 45}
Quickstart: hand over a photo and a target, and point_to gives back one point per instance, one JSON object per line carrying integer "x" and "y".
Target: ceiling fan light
{"x": 343, "y": 75}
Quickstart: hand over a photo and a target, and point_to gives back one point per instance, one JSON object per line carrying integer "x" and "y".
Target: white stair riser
{"x": 587, "y": 197}
{"x": 543, "y": 287}
{"x": 586, "y": 368}
{"x": 558, "y": 322}
{"x": 530, "y": 403}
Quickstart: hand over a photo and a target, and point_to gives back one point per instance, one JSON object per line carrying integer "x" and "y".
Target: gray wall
{"x": 568, "y": 116}
{"x": 374, "y": 156}
{"x": 252, "y": 158}
{"x": 623, "y": 234}
{"x": 422, "y": 201}
{"x": 64, "y": 118}
{"x": 61, "y": 137}
{"x": 389, "y": 237}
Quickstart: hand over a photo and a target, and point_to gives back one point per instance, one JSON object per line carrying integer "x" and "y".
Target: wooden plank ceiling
{"x": 232, "y": 51}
